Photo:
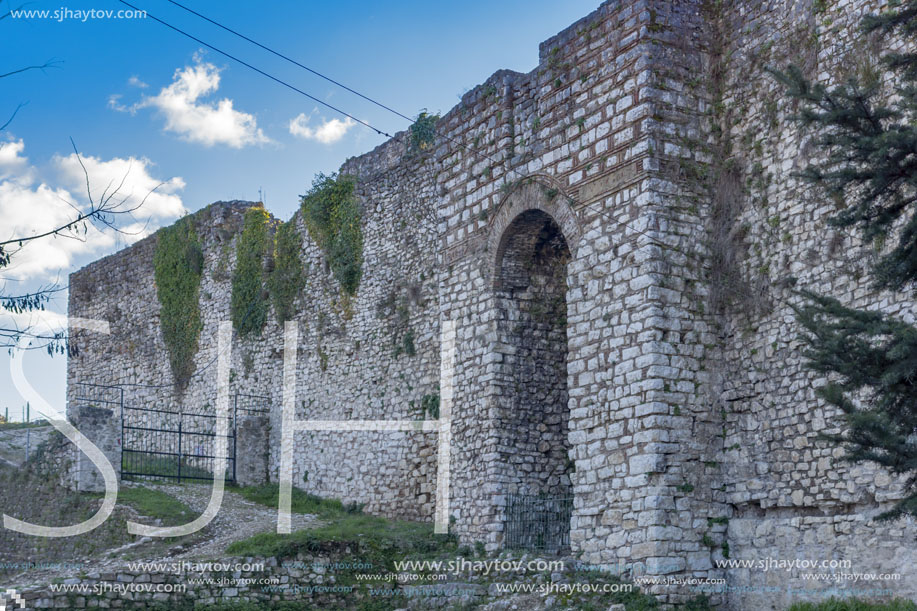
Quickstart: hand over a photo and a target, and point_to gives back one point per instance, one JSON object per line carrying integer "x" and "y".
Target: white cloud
{"x": 135, "y": 81}
{"x": 11, "y": 152}
{"x": 200, "y": 121}
{"x": 114, "y": 102}
{"x": 43, "y": 322}
{"x": 29, "y": 206}
{"x": 328, "y": 132}
{"x": 11, "y": 160}
{"x": 131, "y": 178}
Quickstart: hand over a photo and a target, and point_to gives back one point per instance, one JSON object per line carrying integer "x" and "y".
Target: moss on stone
{"x": 178, "y": 263}
{"x": 248, "y": 307}
{"x": 333, "y": 216}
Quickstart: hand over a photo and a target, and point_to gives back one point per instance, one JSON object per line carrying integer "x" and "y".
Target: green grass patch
{"x": 13, "y": 426}
{"x": 347, "y": 533}
{"x": 344, "y": 530}
{"x": 156, "y": 504}
{"x": 301, "y": 501}
{"x": 855, "y": 604}
{"x": 371, "y": 538}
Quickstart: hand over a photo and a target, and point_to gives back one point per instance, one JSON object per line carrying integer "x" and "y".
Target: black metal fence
{"x": 172, "y": 444}
{"x": 538, "y": 522}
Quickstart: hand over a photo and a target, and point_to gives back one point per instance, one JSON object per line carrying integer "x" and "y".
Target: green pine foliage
{"x": 866, "y": 139}
{"x": 178, "y": 263}
{"x": 872, "y": 357}
{"x": 870, "y": 146}
{"x": 248, "y": 306}
{"x": 288, "y": 277}
{"x": 333, "y": 217}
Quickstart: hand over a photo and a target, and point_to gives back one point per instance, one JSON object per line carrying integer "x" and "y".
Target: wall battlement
{"x": 562, "y": 223}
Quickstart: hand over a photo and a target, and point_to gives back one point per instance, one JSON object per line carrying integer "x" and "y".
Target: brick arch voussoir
{"x": 535, "y": 192}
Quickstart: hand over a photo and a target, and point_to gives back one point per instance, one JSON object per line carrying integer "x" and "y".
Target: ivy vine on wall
{"x": 248, "y": 306}
{"x": 332, "y": 215}
{"x": 178, "y": 263}
{"x": 423, "y": 132}
{"x": 288, "y": 277}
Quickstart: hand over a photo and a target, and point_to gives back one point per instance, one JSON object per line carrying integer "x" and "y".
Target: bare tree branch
{"x": 104, "y": 213}
{"x": 51, "y": 63}
{"x": 12, "y": 116}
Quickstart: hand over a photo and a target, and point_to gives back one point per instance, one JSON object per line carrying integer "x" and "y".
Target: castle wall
{"x": 789, "y": 493}
{"x": 581, "y": 138}
{"x": 376, "y": 358}
{"x": 352, "y": 358}
{"x": 121, "y": 290}
{"x": 672, "y": 402}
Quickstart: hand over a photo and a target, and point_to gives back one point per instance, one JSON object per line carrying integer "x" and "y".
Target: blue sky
{"x": 140, "y": 99}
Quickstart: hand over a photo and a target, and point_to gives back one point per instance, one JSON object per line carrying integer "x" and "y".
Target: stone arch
{"x": 536, "y": 192}
{"x": 530, "y": 281}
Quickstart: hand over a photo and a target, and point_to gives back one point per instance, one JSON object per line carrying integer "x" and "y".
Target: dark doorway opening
{"x": 531, "y": 379}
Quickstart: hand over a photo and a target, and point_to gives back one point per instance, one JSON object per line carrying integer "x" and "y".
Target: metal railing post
{"x": 121, "y": 440}
{"x": 235, "y": 434}
{"x": 180, "y": 417}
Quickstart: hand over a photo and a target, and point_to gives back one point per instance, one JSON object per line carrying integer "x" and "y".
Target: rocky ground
{"x": 237, "y": 519}
{"x": 105, "y": 554}
{"x": 15, "y": 442}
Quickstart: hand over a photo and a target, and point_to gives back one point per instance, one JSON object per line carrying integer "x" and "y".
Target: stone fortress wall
{"x": 564, "y": 225}
{"x": 788, "y": 493}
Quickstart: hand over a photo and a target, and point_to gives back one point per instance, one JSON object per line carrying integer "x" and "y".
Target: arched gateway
{"x": 519, "y": 451}
{"x": 531, "y": 321}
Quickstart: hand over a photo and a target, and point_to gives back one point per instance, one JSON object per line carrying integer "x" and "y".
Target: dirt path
{"x": 237, "y": 519}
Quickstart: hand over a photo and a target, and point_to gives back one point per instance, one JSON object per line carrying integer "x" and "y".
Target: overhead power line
{"x": 292, "y": 61}
{"x": 258, "y": 70}
{"x": 573, "y": 200}
{"x": 455, "y": 141}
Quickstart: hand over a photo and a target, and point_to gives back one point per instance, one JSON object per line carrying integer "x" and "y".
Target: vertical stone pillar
{"x": 253, "y": 437}
{"x": 102, "y": 427}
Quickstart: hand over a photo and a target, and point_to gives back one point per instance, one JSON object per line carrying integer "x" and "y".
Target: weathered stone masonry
{"x": 563, "y": 223}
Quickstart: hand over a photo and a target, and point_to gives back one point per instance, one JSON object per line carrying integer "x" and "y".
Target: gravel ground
{"x": 237, "y": 519}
